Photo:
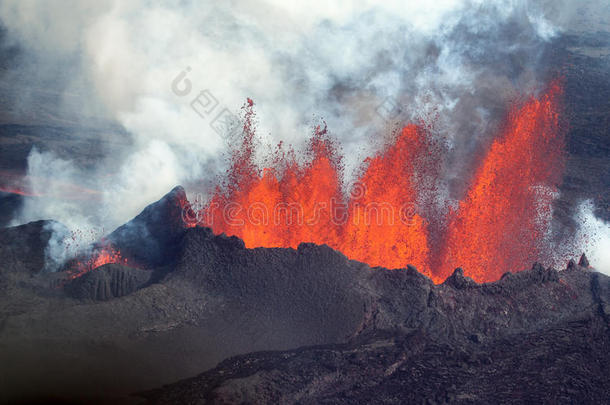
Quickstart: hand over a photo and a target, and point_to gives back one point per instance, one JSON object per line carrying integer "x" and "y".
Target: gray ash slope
{"x": 538, "y": 336}
{"x": 119, "y": 330}
{"x": 561, "y": 364}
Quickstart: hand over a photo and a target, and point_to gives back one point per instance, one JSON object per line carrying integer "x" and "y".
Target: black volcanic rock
{"x": 22, "y": 248}
{"x": 583, "y": 262}
{"x": 106, "y": 282}
{"x": 566, "y": 363}
{"x": 458, "y": 280}
{"x": 535, "y": 336}
{"x": 281, "y": 296}
{"x": 152, "y": 238}
{"x": 315, "y": 294}
{"x": 439, "y": 341}
{"x": 571, "y": 265}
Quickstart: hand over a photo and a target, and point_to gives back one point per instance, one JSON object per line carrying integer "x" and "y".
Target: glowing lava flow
{"x": 384, "y": 228}
{"x": 498, "y": 226}
{"x": 105, "y": 255}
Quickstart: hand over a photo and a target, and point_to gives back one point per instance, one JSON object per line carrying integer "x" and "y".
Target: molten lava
{"x": 498, "y": 226}
{"x": 501, "y": 223}
{"x": 384, "y": 228}
{"x": 105, "y": 255}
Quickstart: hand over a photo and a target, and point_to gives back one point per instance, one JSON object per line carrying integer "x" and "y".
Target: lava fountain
{"x": 106, "y": 254}
{"x": 499, "y": 225}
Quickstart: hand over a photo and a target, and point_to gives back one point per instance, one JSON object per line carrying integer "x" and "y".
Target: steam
{"x": 454, "y": 62}
{"x": 41, "y": 167}
{"x": 594, "y": 237}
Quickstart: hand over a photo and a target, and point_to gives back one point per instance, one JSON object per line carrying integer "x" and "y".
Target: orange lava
{"x": 281, "y": 206}
{"x": 105, "y": 255}
{"x": 384, "y": 228}
{"x": 498, "y": 226}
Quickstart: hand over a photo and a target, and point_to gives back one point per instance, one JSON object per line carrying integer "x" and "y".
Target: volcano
{"x": 348, "y": 306}
{"x": 216, "y": 298}
{"x": 445, "y": 269}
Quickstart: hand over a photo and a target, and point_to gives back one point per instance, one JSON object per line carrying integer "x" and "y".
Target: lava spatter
{"x": 498, "y": 225}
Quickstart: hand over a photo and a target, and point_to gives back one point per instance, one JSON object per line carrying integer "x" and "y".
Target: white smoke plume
{"x": 593, "y": 237}
{"x": 157, "y": 67}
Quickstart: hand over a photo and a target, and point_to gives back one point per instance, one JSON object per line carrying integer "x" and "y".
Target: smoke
{"x": 174, "y": 74}
{"x": 593, "y": 237}
{"x": 80, "y": 220}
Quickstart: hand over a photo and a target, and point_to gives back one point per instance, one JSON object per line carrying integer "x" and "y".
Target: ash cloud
{"x": 457, "y": 63}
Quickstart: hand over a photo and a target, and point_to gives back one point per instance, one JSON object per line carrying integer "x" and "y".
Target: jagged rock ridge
{"x": 108, "y": 281}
